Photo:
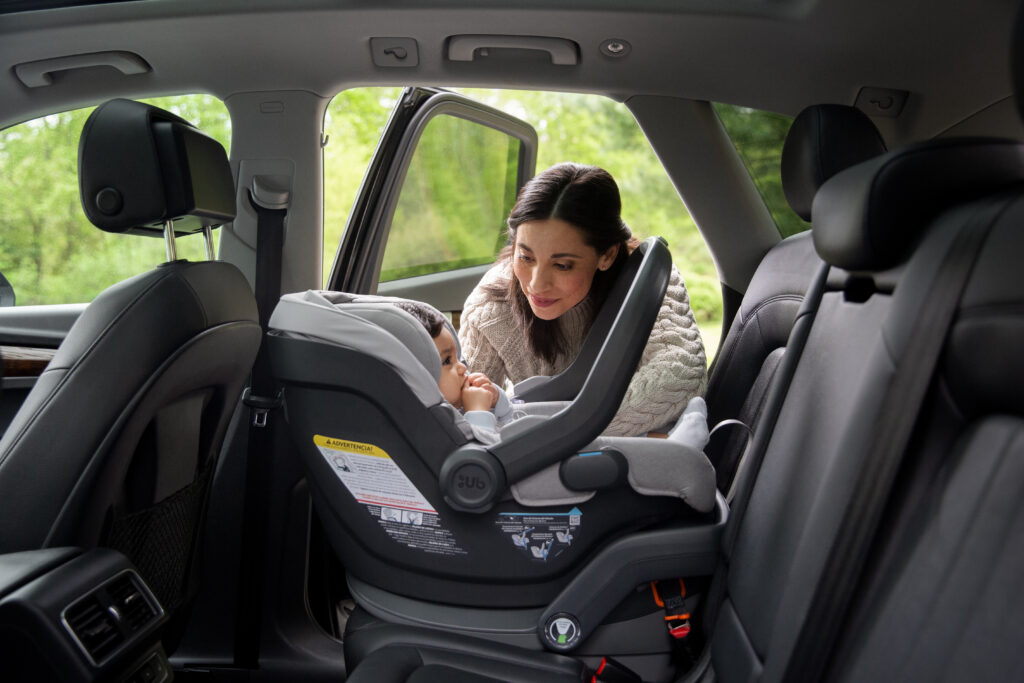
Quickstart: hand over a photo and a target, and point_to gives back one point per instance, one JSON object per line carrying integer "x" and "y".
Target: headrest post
{"x": 208, "y": 237}
{"x": 172, "y": 252}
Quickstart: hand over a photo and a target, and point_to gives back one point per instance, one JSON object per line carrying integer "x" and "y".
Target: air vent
{"x": 111, "y": 616}
{"x": 136, "y": 611}
{"x": 95, "y": 627}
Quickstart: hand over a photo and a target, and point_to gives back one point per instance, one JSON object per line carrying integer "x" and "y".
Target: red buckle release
{"x": 680, "y": 631}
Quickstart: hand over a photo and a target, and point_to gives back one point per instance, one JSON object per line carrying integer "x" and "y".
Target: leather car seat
{"x": 823, "y": 140}
{"x": 117, "y": 441}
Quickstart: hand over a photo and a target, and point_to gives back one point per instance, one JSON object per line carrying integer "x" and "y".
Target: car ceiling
{"x": 950, "y": 56}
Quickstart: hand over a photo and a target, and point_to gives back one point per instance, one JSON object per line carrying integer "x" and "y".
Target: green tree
{"x": 758, "y": 136}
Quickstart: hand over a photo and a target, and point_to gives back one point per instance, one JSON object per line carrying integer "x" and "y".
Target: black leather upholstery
{"x": 123, "y": 428}
{"x": 868, "y": 216}
{"x": 750, "y": 353}
{"x": 823, "y": 140}
{"x": 140, "y": 166}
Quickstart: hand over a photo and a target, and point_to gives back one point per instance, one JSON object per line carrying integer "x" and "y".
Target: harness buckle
{"x": 611, "y": 671}
{"x": 260, "y": 405}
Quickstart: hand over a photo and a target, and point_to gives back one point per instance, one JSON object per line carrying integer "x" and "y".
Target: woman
{"x": 533, "y": 308}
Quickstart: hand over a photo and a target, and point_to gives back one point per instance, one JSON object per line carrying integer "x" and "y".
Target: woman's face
{"x": 554, "y": 266}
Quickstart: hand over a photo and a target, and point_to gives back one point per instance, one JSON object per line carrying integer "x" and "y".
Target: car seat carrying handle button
{"x": 471, "y": 479}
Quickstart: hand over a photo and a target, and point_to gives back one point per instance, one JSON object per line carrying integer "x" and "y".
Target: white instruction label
{"x": 370, "y": 475}
{"x": 376, "y": 481}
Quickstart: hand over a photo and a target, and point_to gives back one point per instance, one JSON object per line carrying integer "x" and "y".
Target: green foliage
{"x": 353, "y": 125}
{"x": 454, "y": 199}
{"x": 758, "y": 136}
{"x": 51, "y": 254}
{"x": 438, "y": 222}
{"x": 48, "y": 250}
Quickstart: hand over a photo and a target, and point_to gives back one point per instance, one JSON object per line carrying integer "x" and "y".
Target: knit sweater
{"x": 672, "y": 369}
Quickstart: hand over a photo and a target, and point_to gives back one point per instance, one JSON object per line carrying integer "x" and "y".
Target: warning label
{"x": 541, "y": 535}
{"x": 415, "y": 529}
{"x": 376, "y": 481}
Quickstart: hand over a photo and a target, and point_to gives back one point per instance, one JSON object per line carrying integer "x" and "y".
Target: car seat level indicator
{"x": 388, "y": 495}
{"x": 541, "y": 536}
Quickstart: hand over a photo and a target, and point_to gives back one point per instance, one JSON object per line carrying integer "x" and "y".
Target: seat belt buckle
{"x": 260, "y": 405}
{"x": 611, "y": 671}
{"x": 678, "y": 626}
{"x": 671, "y": 598}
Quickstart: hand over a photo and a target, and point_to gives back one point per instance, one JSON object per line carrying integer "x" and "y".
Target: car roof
{"x": 949, "y": 58}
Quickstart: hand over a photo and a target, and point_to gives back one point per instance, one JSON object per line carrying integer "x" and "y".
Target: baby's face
{"x": 453, "y": 373}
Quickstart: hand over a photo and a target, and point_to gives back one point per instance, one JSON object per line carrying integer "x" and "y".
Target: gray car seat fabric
{"x": 117, "y": 440}
{"x": 374, "y": 326}
{"x": 823, "y": 140}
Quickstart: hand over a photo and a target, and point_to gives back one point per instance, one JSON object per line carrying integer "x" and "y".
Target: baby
{"x": 486, "y": 406}
{"x": 483, "y": 403}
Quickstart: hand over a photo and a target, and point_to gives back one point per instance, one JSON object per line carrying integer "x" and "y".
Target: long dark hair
{"x": 587, "y": 198}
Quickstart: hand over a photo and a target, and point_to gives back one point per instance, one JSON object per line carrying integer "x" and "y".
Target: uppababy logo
{"x": 464, "y": 481}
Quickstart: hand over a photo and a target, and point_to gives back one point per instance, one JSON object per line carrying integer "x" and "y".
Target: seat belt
{"x": 753, "y": 456}
{"x": 898, "y": 416}
{"x": 271, "y": 207}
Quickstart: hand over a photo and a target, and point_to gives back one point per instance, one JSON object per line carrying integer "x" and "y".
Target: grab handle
{"x": 39, "y": 73}
{"x": 563, "y": 51}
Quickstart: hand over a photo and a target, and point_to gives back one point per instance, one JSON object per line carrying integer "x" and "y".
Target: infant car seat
{"x": 414, "y": 504}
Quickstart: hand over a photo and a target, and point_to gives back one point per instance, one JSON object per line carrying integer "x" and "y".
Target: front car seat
{"x": 117, "y": 441}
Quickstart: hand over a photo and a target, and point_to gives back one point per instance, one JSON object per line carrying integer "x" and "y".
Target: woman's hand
{"x": 478, "y": 392}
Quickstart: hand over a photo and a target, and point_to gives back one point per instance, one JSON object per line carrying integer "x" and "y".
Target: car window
{"x": 758, "y": 137}
{"x": 457, "y": 192}
{"x": 49, "y": 251}
{"x": 587, "y": 129}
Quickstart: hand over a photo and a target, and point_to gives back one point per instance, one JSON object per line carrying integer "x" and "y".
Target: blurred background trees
{"x": 50, "y": 253}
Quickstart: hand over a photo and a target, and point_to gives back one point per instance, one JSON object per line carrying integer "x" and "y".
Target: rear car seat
{"x": 823, "y": 140}
{"x": 949, "y": 545}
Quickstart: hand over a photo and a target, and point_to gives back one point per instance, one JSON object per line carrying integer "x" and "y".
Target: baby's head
{"x": 453, "y": 372}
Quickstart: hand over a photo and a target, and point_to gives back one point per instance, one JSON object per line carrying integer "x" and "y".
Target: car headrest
{"x": 823, "y": 140}
{"x": 140, "y": 166}
{"x": 866, "y": 217}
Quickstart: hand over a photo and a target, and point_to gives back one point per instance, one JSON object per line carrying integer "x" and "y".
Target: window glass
{"x": 49, "y": 251}
{"x": 353, "y": 124}
{"x": 758, "y": 137}
{"x": 457, "y": 192}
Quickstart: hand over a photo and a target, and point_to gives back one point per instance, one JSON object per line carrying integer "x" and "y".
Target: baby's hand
{"x": 482, "y": 390}
{"x": 476, "y": 398}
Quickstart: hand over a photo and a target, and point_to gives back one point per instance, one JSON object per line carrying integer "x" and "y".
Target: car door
{"x": 430, "y": 214}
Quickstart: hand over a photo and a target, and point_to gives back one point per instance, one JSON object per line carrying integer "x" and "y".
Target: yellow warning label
{"x": 350, "y": 446}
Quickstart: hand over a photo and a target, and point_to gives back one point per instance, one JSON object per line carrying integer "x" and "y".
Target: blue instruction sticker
{"x": 541, "y": 536}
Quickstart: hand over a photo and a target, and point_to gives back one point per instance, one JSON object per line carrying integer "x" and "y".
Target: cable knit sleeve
{"x": 672, "y": 370}
{"x": 481, "y": 356}
{"x": 478, "y": 350}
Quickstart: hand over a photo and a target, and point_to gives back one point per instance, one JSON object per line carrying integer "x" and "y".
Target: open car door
{"x": 430, "y": 216}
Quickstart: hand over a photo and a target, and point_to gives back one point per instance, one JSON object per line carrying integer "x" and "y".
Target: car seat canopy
{"x": 386, "y": 332}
